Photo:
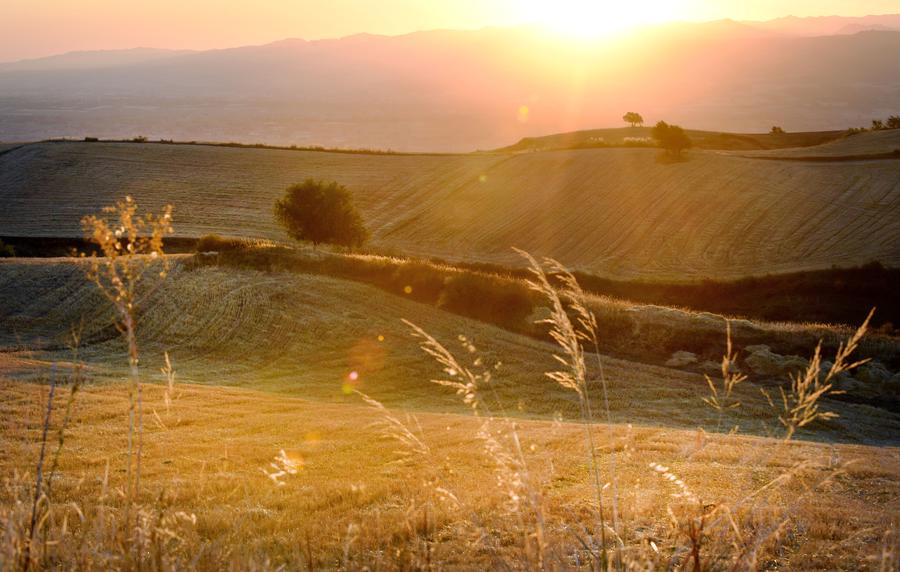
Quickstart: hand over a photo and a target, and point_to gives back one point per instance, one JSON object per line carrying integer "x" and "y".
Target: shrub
{"x": 776, "y": 130}
{"x": 320, "y": 212}
{"x": 506, "y": 303}
{"x": 6, "y": 250}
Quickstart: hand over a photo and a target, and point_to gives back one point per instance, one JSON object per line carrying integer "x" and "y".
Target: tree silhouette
{"x": 893, "y": 122}
{"x": 672, "y": 138}
{"x": 634, "y": 118}
{"x": 320, "y": 212}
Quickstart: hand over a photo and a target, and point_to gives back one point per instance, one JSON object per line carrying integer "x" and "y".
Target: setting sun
{"x": 592, "y": 19}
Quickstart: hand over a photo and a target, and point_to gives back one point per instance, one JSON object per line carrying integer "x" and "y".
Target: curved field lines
{"x": 615, "y": 212}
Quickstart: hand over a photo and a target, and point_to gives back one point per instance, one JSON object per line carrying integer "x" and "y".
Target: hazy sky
{"x": 33, "y": 28}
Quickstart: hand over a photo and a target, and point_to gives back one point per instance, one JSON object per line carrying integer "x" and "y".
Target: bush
{"x": 506, "y": 303}
{"x": 320, "y": 212}
{"x": 6, "y": 250}
{"x": 776, "y": 130}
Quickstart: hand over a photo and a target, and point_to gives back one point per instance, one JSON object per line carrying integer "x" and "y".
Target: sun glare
{"x": 593, "y": 19}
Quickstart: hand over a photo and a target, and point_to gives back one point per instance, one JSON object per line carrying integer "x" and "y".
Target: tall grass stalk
{"x": 565, "y": 298}
{"x": 39, "y": 473}
{"x": 74, "y": 386}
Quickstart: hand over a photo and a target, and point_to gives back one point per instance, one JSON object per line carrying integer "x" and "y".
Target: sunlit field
{"x": 514, "y": 285}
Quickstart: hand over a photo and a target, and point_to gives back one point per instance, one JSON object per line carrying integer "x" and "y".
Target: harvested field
{"x": 613, "y": 212}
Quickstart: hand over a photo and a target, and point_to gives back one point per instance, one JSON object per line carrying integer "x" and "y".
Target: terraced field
{"x": 618, "y": 212}
{"x": 303, "y": 335}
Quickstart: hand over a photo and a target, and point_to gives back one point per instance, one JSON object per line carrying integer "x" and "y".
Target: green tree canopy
{"x": 634, "y": 118}
{"x": 672, "y": 138}
{"x": 320, "y": 212}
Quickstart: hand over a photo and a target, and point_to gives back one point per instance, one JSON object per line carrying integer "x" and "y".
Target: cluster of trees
{"x": 892, "y": 122}
{"x": 672, "y": 138}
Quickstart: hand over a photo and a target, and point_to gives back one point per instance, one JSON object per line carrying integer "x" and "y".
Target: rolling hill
{"x": 613, "y": 212}
{"x": 301, "y": 335}
{"x": 859, "y": 145}
{"x": 624, "y": 136}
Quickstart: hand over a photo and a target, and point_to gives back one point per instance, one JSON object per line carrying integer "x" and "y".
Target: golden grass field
{"x": 614, "y": 212}
{"x": 265, "y": 363}
{"x": 352, "y": 504}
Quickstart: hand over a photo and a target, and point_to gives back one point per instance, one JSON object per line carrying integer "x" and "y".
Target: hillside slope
{"x": 617, "y": 212}
{"x": 303, "y": 335}
{"x": 620, "y": 136}
{"x": 861, "y": 144}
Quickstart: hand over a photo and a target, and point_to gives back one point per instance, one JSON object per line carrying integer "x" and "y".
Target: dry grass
{"x": 206, "y": 456}
{"x": 614, "y": 212}
{"x": 408, "y": 489}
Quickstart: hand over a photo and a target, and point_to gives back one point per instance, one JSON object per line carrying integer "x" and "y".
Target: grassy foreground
{"x": 131, "y": 475}
{"x": 355, "y": 501}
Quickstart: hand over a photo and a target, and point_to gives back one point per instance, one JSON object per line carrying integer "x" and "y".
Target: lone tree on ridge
{"x": 634, "y": 118}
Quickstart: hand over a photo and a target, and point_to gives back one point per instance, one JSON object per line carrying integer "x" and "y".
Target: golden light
{"x": 592, "y": 19}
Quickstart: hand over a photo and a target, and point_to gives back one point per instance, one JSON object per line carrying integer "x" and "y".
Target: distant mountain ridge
{"x": 91, "y": 59}
{"x": 447, "y": 90}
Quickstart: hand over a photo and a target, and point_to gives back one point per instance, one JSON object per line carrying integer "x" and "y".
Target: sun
{"x": 591, "y": 19}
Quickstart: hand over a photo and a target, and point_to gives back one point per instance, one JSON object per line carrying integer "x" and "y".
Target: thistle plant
{"x": 131, "y": 246}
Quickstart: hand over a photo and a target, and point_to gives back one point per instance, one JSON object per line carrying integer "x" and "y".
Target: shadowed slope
{"x": 303, "y": 335}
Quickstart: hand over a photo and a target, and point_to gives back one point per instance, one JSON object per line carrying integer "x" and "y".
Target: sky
{"x": 36, "y": 28}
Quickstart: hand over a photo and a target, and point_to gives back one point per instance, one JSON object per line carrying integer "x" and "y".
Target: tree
{"x": 877, "y": 125}
{"x": 776, "y": 130}
{"x": 634, "y": 118}
{"x": 320, "y": 212}
{"x": 672, "y": 138}
{"x": 893, "y": 122}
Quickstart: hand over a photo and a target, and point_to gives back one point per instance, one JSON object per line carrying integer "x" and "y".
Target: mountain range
{"x": 447, "y": 90}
